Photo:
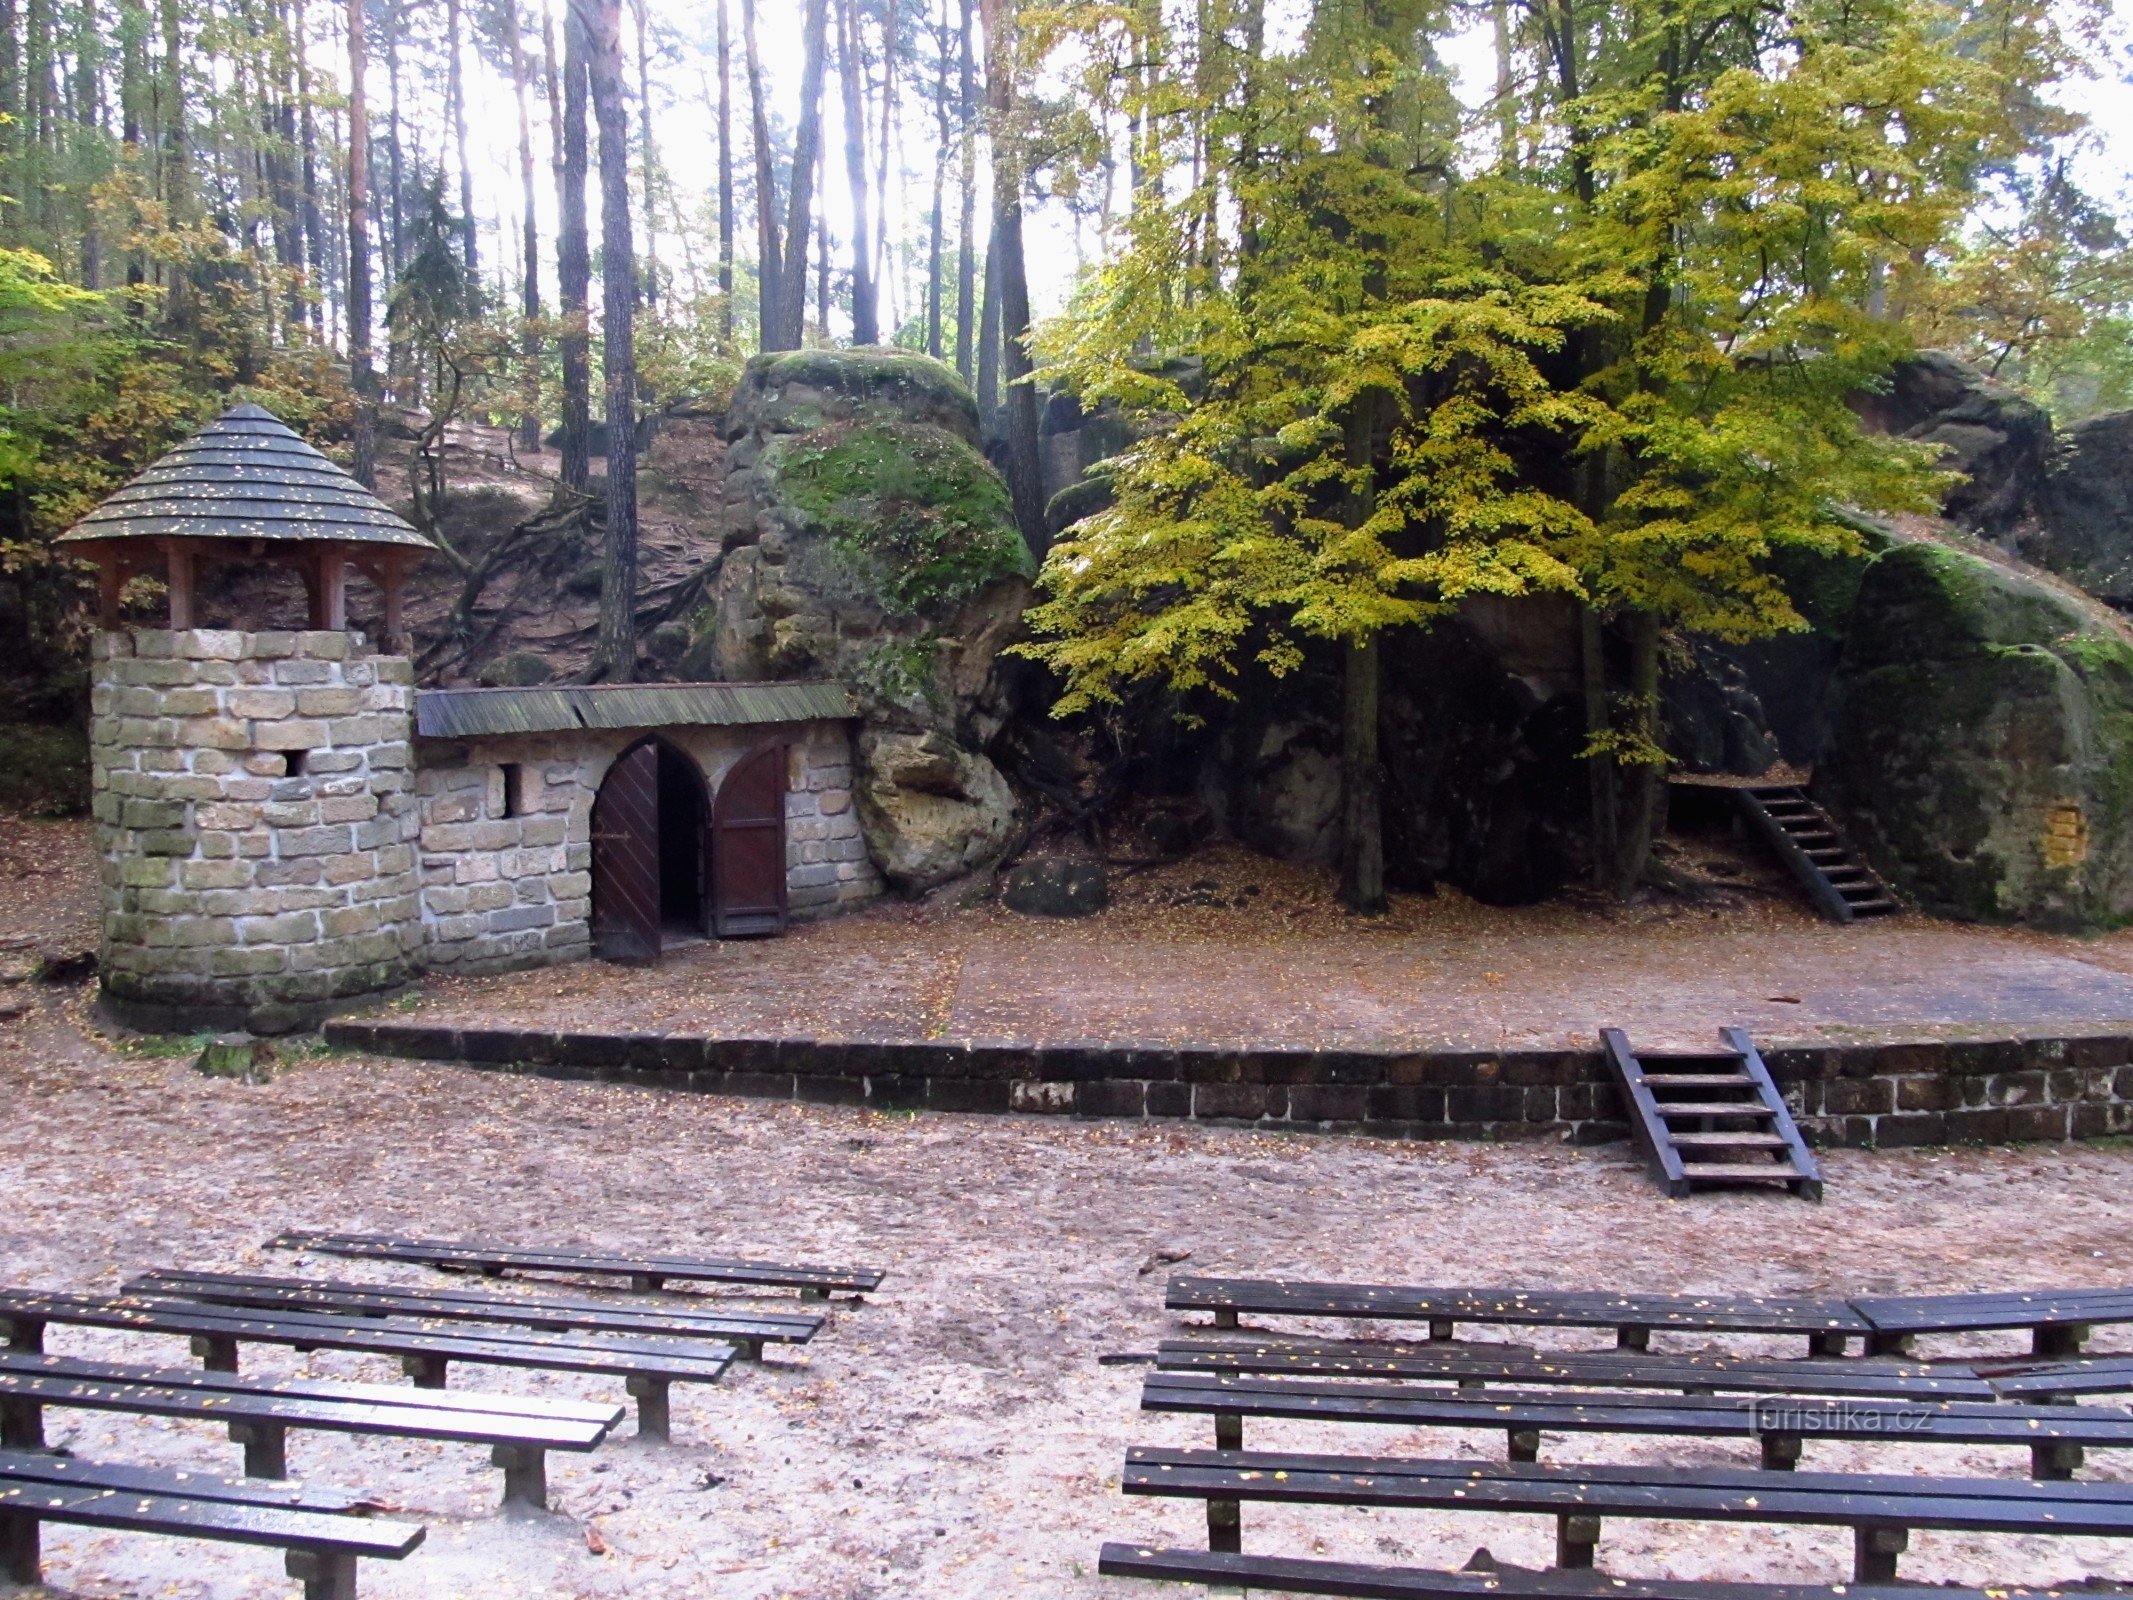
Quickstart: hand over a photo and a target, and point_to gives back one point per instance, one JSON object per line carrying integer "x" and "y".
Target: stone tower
{"x": 253, "y": 796}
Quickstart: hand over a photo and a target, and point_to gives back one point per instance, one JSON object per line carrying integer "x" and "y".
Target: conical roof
{"x": 246, "y": 475}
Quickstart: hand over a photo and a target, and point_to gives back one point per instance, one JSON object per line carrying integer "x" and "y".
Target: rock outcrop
{"x": 1981, "y": 742}
{"x": 2083, "y": 523}
{"x": 1988, "y": 433}
{"x": 865, "y": 538}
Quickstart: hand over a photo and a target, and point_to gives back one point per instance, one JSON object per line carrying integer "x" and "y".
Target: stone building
{"x": 287, "y": 826}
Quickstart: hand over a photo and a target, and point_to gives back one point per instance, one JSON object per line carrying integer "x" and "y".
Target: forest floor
{"x": 957, "y": 1436}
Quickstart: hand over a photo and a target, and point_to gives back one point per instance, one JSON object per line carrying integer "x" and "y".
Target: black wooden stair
{"x": 1710, "y": 1117}
{"x": 1842, "y": 886}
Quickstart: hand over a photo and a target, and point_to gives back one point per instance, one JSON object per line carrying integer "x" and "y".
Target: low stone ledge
{"x": 1886, "y": 1095}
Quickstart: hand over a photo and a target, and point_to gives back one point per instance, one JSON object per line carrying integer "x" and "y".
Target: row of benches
{"x": 428, "y": 1329}
{"x": 1777, "y": 1405}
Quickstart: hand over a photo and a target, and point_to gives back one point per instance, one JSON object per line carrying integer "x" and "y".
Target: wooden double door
{"x": 671, "y": 859}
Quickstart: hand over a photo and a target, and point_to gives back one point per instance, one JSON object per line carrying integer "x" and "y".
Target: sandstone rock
{"x": 2083, "y": 528}
{"x": 1982, "y": 741}
{"x": 1057, "y": 886}
{"x": 1986, "y": 431}
{"x": 520, "y": 669}
{"x": 932, "y": 810}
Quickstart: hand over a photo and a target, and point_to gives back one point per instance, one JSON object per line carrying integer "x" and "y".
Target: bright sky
{"x": 684, "y": 124}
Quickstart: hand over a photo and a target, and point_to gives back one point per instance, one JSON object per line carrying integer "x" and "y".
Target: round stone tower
{"x": 253, "y": 796}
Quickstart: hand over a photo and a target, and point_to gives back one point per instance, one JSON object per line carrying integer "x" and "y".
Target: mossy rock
{"x": 795, "y": 391}
{"x": 918, "y": 510}
{"x": 1982, "y": 741}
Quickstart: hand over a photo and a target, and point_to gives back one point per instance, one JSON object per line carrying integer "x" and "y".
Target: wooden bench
{"x": 1475, "y": 1366}
{"x": 1826, "y": 1324}
{"x": 1362, "y": 1581}
{"x": 643, "y": 1273}
{"x": 260, "y": 1413}
{"x": 2055, "y": 1435}
{"x": 1879, "y": 1509}
{"x": 747, "y": 1331}
{"x": 2057, "y": 1320}
{"x": 2053, "y": 1381}
{"x": 648, "y": 1366}
{"x": 323, "y": 1531}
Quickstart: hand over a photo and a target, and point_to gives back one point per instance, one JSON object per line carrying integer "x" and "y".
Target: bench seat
{"x": 1364, "y": 1581}
{"x": 324, "y": 1532}
{"x": 2054, "y": 1435}
{"x": 644, "y": 1273}
{"x": 426, "y": 1348}
{"x": 259, "y": 1414}
{"x": 2058, "y": 1320}
{"x": 746, "y": 1331}
{"x": 1479, "y": 1364}
{"x": 1827, "y": 1324}
{"x": 1880, "y": 1509}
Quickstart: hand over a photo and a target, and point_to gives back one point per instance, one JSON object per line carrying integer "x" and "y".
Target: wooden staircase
{"x": 1710, "y": 1117}
{"x": 1843, "y": 887}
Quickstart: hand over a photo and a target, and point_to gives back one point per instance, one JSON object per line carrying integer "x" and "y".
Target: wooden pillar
{"x": 110, "y": 586}
{"x": 329, "y": 590}
{"x": 178, "y": 560}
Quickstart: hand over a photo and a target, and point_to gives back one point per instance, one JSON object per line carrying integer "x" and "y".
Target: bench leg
{"x": 1890, "y": 1344}
{"x": 653, "y": 1418}
{"x": 2054, "y": 1460}
{"x": 814, "y": 1294}
{"x": 217, "y": 1351}
{"x": 1229, "y": 1430}
{"x": 1631, "y": 1336}
{"x": 325, "y": 1574}
{"x": 20, "y": 1558}
{"x": 1825, "y": 1344}
{"x": 525, "y": 1475}
{"x": 429, "y": 1372}
{"x": 266, "y": 1448}
{"x": 1874, "y": 1553}
{"x": 646, "y": 1283}
{"x": 2060, "y": 1339}
{"x": 1473, "y": 1383}
{"x": 21, "y": 1425}
{"x": 1225, "y": 1526}
{"x": 1525, "y": 1444}
{"x": 1225, "y": 1318}
{"x": 1575, "y": 1538}
{"x": 23, "y": 1333}
{"x": 1441, "y": 1330}
{"x": 1781, "y": 1451}
{"x": 748, "y": 1349}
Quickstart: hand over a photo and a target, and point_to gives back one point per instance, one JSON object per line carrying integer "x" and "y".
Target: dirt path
{"x": 956, "y": 1436}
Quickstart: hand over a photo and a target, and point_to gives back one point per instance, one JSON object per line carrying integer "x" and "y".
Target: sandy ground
{"x": 1231, "y": 949}
{"x": 959, "y": 1435}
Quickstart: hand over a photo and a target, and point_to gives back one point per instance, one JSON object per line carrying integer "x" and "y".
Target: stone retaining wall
{"x": 1864, "y": 1095}
{"x": 506, "y": 834}
{"x": 255, "y": 816}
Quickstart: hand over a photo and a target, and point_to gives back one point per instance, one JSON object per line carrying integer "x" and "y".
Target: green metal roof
{"x": 473, "y": 713}
{"x": 246, "y": 475}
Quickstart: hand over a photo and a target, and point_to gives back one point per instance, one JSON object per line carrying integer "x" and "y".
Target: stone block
{"x": 291, "y": 814}
{"x": 1926, "y": 1094}
{"x": 152, "y": 814}
{"x": 291, "y": 927}
{"x": 296, "y": 733}
{"x": 519, "y": 917}
{"x": 1239, "y": 1101}
{"x": 212, "y": 644}
{"x": 166, "y": 842}
{"x": 348, "y": 808}
{"x": 266, "y": 705}
{"x": 1857, "y": 1097}
{"x": 302, "y": 674}
{"x": 333, "y": 701}
{"x": 247, "y": 962}
{"x": 215, "y": 875}
{"x": 273, "y": 644}
{"x": 489, "y": 896}
{"x": 323, "y": 645}
{"x": 144, "y": 733}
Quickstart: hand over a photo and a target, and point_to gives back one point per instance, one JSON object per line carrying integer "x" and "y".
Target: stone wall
{"x": 507, "y": 874}
{"x": 255, "y": 815}
{"x": 1916, "y": 1092}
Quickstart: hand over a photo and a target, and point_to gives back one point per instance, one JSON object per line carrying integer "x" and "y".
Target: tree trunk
{"x": 1600, "y": 766}
{"x": 529, "y": 338}
{"x": 362, "y": 376}
{"x": 936, "y": 228}
{"x": 1025, "y": 474}
{"x": 851, "y": 72}
{"x": 175, "y": 169}
{"x": 800, "y": 204}
{"x": 966, "y": 268}
{"x": 1642, "y": 781}
{"x": 989, "y": 340}
{"x": 649, "y": 289}
{"x": 770, "y": 256}
{"x": 573, "y": 253}
{"x": 1362, "y": 802}
{"x": 725, "y": 181}
{"x": 615, "y": 653}
{"x": 314, "y": 213}
{"x": 456, "y": 92}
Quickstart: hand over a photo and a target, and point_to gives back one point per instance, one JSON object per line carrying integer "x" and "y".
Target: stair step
{"x": 1876, "y": 908}
{"x": 1732, "y": 1171}
{"x": 1714, "y": 1108}
{"x": 1699, "y": 1080}
{"x": 1732, "y": 1141}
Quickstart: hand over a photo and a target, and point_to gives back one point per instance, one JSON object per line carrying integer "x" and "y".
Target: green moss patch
{"x": 887, "y": 373}
{"x": 925, "y": 512}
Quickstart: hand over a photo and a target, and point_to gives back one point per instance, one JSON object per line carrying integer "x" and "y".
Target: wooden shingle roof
{"x": 472, "y": 713}
{"x": 246, "y": 475}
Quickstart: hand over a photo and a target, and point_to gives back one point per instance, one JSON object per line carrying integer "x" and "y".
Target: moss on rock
{"x": 793, "y": 391}
{"x": 1983, "y": 741}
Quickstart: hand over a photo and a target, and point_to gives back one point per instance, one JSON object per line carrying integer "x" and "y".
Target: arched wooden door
{"x": 748, "y": 846}
{"x": 625, "y": 858}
